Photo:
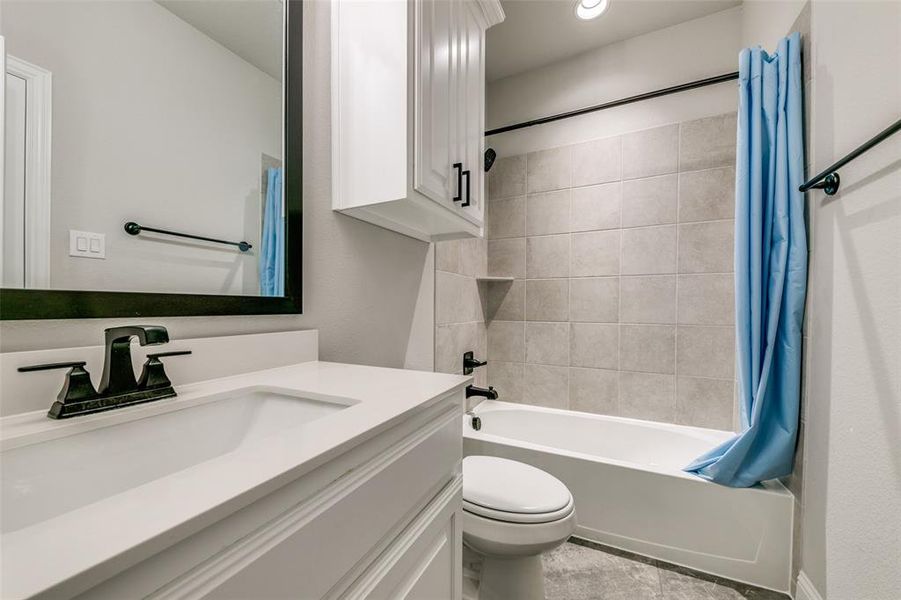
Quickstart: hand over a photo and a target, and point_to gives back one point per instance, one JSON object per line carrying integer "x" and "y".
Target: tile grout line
{"x": 569, "y": 344}
{"x": 569, "y": 272}
{"x": 678, "y": 256}
{"x": 619, "y": 290}
{"x": 621, "y": 228}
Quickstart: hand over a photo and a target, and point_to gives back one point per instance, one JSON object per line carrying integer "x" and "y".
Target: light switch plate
{"x": 87, "y": 244}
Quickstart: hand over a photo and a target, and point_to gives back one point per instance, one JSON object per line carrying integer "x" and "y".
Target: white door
{"x": 25, "y": 214}
{"x": 435, "y": 102}
{"x": 13, "y": 232}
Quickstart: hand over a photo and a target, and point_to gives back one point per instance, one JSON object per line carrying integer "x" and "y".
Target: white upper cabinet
{"x": 471, "y": 109}
{"x": 408, "y": 104}
{"x": 436, "y": 103}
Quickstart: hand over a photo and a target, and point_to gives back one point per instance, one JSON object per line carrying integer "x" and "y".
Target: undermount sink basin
{"x": 47, "y": 479}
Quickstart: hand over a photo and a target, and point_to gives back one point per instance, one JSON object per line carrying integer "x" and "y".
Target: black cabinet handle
{"x": 459, "y": 167}
{"x": 466, "y": 175}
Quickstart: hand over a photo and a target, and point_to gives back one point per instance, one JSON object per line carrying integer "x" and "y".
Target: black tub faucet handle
{"x": 470, "y": 363}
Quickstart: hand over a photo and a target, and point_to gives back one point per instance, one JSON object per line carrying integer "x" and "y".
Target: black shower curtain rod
{"x": 645, "y": 96}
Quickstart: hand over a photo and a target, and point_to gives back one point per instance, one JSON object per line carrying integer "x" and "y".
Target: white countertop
{"x": 44, "y": 555}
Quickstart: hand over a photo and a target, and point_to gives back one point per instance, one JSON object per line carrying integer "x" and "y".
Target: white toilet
{"x": 512, "y": 513}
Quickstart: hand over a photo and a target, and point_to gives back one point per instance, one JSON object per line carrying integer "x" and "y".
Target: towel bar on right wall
{"x": 828, "y": 180}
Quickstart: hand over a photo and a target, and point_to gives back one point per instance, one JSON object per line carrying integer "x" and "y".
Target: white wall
{"x": 851, "y": 544}
{"x": 362, "y": 284}
{"x": 764, "y": 22}
{"x": 692, "y": 50}
{"x": 153, "y": 122}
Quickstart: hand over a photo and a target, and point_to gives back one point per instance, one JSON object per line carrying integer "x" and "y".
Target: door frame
{"x": 39, "y": 113}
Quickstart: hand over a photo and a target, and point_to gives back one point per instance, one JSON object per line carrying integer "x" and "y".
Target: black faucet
{"x": 118, "y": 373}
{"x": 118, "y": 386}
{"x": 490, "y": 393}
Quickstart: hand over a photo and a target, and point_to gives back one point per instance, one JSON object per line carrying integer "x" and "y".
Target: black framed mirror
{"x": 257, "y": 270}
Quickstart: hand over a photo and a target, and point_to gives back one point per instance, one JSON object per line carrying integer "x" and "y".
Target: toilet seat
{"x": 513, "y": 492}
{"x": 511, "y": 517}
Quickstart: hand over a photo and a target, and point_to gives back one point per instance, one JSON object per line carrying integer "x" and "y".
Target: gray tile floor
{"x": 580, "y": 570}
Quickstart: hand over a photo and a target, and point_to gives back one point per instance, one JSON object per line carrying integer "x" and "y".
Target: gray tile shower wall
{"x": 460, "y": 304}
{"x": 621, "y": 250}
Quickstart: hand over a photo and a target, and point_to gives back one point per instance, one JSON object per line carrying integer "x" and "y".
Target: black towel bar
{"x": 828, "y": 180}
{"x": 133, "y": 228}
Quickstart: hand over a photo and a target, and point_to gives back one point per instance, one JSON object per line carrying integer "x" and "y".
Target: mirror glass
{"x": 122, "y": 117}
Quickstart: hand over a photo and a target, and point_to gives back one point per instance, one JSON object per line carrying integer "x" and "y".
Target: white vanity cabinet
{"x": 381, "y": 520}
{"x": 408, "y": 104}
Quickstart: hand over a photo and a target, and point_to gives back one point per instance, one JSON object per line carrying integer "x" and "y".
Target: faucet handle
{"x": 172, "y": 353}
{"x": 153, "y": 376}
{"x": 470, "y": 363}
{"x": 77, "y": 388}
{"x": 48, "y": 366}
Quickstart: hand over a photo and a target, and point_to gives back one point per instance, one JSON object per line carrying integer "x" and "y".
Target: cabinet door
{"x": 435, "y": 100}
{"x": 426, "y": 560}
{"x": 471, "y": 108}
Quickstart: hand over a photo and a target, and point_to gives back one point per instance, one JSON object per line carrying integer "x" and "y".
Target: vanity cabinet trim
{"x": 444, "y": 508}
{"x": 206, "y": 576}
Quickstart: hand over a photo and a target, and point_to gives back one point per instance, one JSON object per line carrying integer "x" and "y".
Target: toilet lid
{"x": 512, "y": 491}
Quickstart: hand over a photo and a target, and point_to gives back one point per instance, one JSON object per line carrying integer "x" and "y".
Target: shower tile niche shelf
{"x": 494, "y": 279}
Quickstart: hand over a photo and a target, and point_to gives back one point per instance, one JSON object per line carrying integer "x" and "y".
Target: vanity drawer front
{"x": 307, "y": 552}
{"x": 425, "y": 561}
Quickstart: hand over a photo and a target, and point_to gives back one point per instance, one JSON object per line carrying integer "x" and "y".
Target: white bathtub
{"x": 631, "y": 493}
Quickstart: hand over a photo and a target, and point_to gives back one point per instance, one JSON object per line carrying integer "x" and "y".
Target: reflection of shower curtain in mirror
{"x": 272, "y": 250}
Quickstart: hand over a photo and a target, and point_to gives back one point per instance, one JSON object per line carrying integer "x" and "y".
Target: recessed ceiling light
{"x": 591, "y": 9}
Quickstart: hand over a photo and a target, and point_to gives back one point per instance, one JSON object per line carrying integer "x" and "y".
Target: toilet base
{"x": 520, "y": 577}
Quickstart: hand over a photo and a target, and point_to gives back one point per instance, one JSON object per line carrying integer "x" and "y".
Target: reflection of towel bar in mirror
{"x": 133, "y": 228}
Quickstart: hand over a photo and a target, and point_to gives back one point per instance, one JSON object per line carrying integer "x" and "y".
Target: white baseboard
{"x": 805, "y": 589}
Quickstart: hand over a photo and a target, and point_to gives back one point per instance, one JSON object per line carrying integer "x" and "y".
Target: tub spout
{"x": 490, "y": 393}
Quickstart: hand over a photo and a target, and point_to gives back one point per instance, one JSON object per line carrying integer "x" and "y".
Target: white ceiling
{"x": 252, "y": 29}
{"x": 539, "y": 32}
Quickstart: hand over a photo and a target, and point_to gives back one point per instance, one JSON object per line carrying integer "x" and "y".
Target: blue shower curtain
{"x": 770, "y": 269}
{"x": 272, "y": 251}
